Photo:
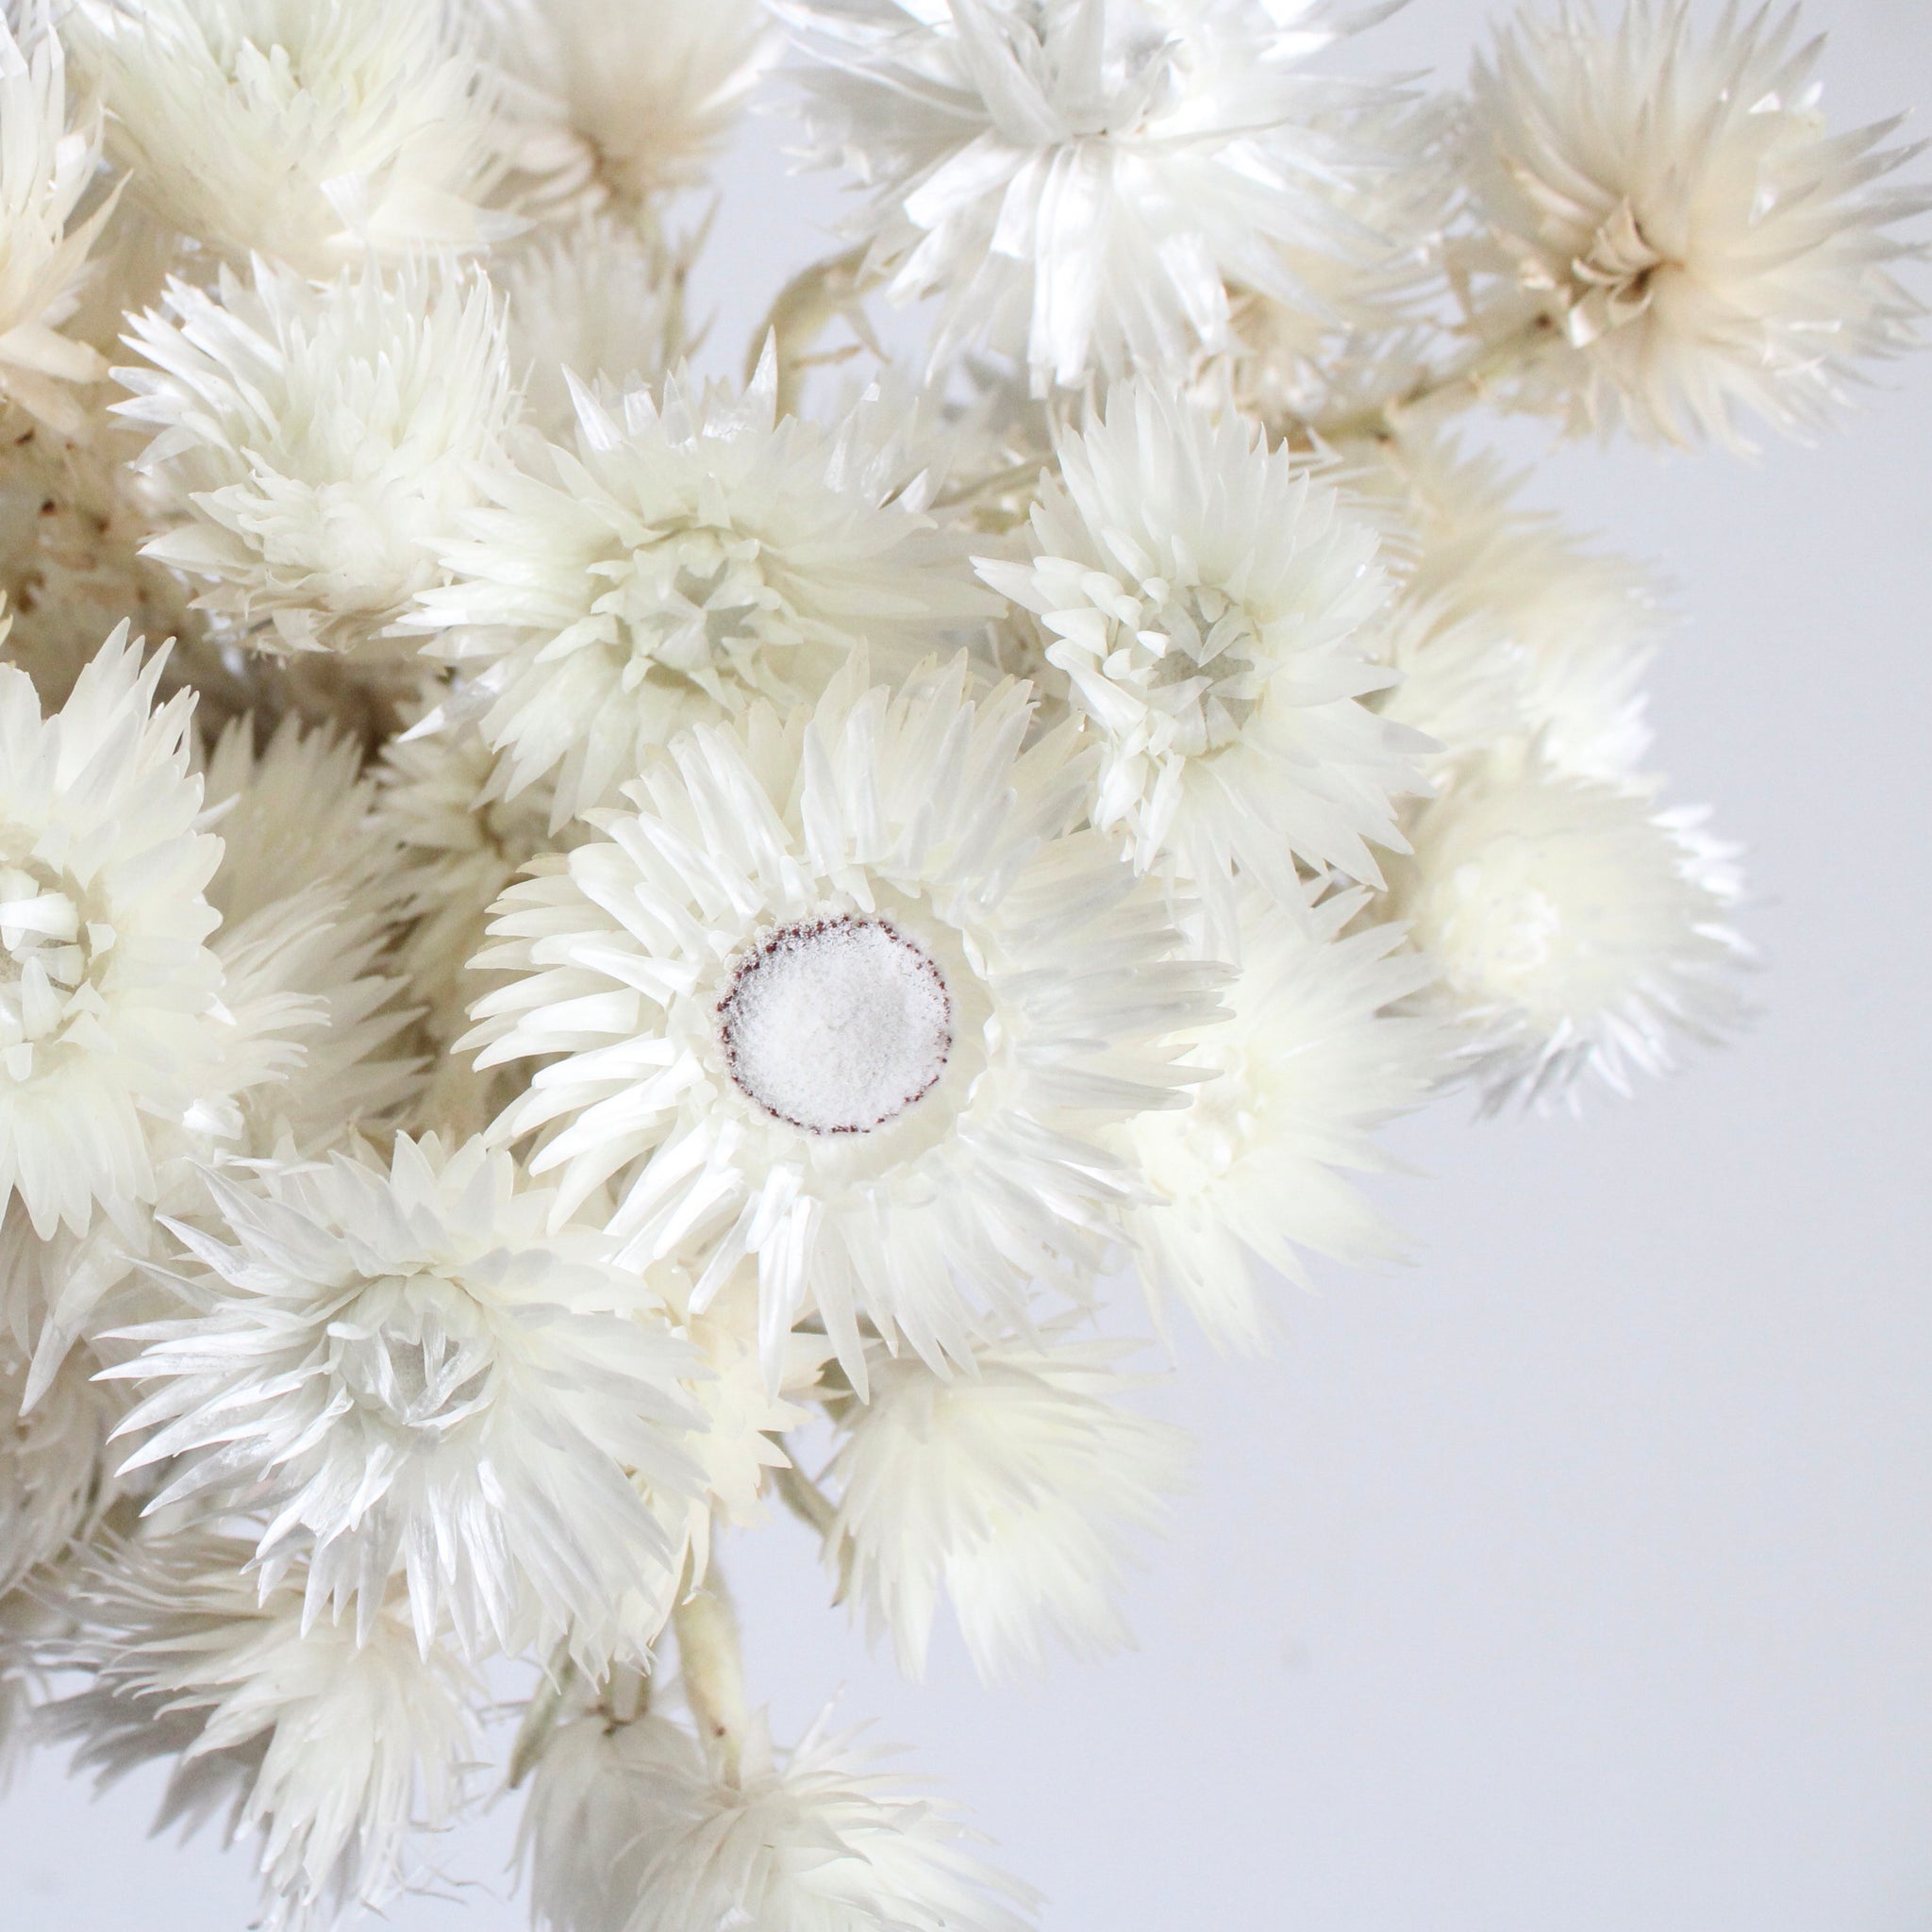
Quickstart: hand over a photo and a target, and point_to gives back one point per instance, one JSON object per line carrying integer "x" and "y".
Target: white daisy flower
{"x": 1575, "y": 927}
{"x": 854, "y": 999}
{"x": 1207, "y": 600}
{"x": 694, "y": 553}
{"x": 1079, "y": 180}
{"x": 652, "y": 88}
{"x": 632, "y": 1830}
{"x": 109, "y": 990}
{"x": 1013, "y": 1487}
{"x": 404, "y": 1367}
{"x": 1670, "y": 210}
{"x": 46, "y": 167}
{"x": 316, "y": 443}
{"x": 330, "y": 1744}
{"x": 1317, "y": 1054}
{"x": 600, "y": 297}
{"x": 315, "y": 135}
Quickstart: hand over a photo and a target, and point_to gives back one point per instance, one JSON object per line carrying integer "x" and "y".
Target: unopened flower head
{"x": 1012, "y": 1485}
{"x": 1668, "y": 206}
{"x": 315, "y": 445}
{"x": 1318, "y": 1051}
{"x": 1577, "y": 929}
{"x": 632, "y": 1829}
{"x": 401, "y": 1367}
{"x": 853, "y": 997}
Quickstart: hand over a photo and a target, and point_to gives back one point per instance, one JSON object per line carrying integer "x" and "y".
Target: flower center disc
{"x": 837, "y": 1026}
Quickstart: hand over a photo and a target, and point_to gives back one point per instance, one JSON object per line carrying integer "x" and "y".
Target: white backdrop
{"x": 1578, "y": 1578}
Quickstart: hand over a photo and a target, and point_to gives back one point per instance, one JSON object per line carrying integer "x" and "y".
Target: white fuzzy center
{"x": 1193, "y": 661}
{"x": 414, "y": 1356}
{"x": 837, "y": 1026}
{"x": 694, "y": 603}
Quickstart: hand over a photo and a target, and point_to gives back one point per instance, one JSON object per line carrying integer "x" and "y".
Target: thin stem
{"x": 1459, "y": 386}
{"x": 713, "y": 1671}
{"x": 806, "y": 306}
{"x": 803, "y": 1496}
{"x": 540, "y": 1715}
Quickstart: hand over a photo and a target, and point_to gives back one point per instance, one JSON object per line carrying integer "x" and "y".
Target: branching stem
{"x": 806, "y": 306}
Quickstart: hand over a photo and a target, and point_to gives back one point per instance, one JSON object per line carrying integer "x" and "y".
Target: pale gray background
{"x": 1578, "y": 1579}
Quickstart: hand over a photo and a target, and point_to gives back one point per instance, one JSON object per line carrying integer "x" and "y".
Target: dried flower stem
{"x": 806, "y": 307}
{"x": 713, "y": 1671}
{"x": 1463, "y": 385}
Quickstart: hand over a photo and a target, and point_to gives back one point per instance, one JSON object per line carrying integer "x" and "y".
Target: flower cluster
{"x": 643, "y": 945}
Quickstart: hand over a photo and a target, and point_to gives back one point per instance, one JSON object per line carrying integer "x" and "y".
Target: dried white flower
{"x": 1206, "y": 599}
{"x": 632, "y": 1830}
{"x": 1576, "y": 928}
{"x": 316, "y": 443}
{"x": 599, "y": 297}
{"x": 1012, "y": 1485}
{"x": 403, "y": 1367}
{"x": 329, "y": 1741}
{"x": 1668, "y": 206}
{"x": 696, "y": 552}
{"x": 315, "y": 132}
{"x": 1316, "y": 1054}
{"x": 1079, "y": 180}
{"x": 856, "y": 999}
{"x": 108, "y": 1028}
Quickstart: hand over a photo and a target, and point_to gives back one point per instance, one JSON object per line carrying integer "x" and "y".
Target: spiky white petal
{"x": 1667, "y": 203}
{"x": 107, "y": 987}
{"x": 47, "y": 164}
{"x": 632, "y": 1830}
{"x": 1316, "y": 1054}
{"x": 309, "y": 888}
{"x": 1576, "y": 928}
{"x": 315, "y": 445}
{"x": 329, "y": 1742}
{"x": 856, "y": 999}
{"x": 1079, "y": 180}
{"x": 403, "y": 1367}
{"x": 315, "y": 132}
{"x": 1207, "y": 600}
{"x": 695, "y": 552}
{"x": 1012, "y": 1487}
